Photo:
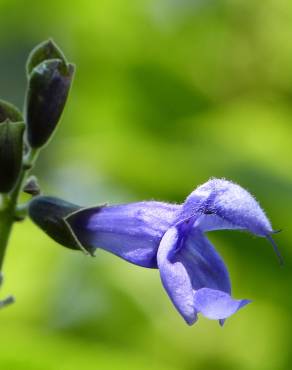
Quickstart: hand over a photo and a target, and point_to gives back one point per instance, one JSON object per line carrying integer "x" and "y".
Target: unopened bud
{"x": 32, "y": 186}
{"x": 44, "y": 51}
{"x": 11, "y": 145}
{"x": 49, "y": 82}
{"x": 9, "y": 112}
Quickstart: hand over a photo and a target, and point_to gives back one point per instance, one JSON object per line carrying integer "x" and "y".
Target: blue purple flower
{"x": 172, "y": 238}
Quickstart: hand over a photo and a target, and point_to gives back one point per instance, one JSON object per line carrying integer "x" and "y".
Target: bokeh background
{"x": 167, "y": 94}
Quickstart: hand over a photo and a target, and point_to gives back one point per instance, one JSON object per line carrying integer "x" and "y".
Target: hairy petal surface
{"x": 224, "y": 204}
{"x": 131, "y": 231}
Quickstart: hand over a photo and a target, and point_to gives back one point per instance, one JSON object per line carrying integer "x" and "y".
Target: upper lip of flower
{"x": 171, "y": 237}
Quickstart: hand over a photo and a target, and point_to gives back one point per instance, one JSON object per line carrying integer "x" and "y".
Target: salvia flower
{"x": 172, "y": 238}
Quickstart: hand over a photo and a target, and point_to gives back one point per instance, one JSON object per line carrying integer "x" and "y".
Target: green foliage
{"x": 166, "y": 95}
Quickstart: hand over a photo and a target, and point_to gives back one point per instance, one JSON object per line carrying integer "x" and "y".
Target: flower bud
{"x": 49, "y": 214}
{"x": 11, "y": 134}
{"x": 9, "y": 112}
{"x": 49, "y": 85}
{"x": 44, "y": 51}
{"x": 31, "y": 186}
{"x": 11, "y": 146}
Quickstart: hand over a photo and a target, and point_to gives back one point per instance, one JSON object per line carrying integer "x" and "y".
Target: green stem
{"x": 9, "y": 203}
{"x": 6, "y": 223}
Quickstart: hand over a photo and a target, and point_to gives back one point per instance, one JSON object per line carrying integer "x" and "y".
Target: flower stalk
{"x": 22, "y": 136}
{"x": 8, "y": 212}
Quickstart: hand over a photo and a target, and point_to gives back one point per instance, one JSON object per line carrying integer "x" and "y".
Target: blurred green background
{"x": 167, "y": 93}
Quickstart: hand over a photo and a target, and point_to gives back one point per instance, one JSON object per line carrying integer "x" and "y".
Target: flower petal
{"x": 175, "y": 277}
{"x": 203, "y": 263}
{"x": 231, "y": 204}
{"x": 130, "y": 231}
{"x": 210, "y": 222}
{"x": 217, "y": 305}
{"x": 187, "y": 262}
